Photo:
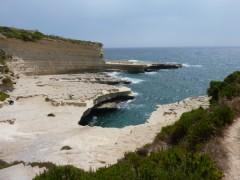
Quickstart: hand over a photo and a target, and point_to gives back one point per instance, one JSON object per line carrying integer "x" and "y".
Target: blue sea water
{"x": 201, "y": 65}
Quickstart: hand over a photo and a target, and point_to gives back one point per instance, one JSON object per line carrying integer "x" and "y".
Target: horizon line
{"x": 145, "y": 47}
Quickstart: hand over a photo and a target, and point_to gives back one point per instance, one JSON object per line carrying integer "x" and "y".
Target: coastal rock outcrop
{"x": 48, "y": 56}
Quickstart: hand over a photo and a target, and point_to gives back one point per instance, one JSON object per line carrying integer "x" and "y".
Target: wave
{"x": 172, "y": 62}
{"x": 130, "y": 106}
{"x": 113, "y": 74}
{"x": 93, "y": 121}
{"x": 133, "y": 60}
{"x": 118, "y": 75}
{"x": 135, "y": 94}
{"x": 125, "y": 105}
{"x": 151, "y": 73}
{"x": 191, "y": 65}
{"x": 132, "y": 80}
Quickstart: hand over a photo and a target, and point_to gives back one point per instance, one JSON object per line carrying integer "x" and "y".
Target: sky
{"x": 130, "y": 23}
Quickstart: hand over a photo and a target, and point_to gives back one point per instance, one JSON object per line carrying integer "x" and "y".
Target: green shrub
{"x": 4, "y": 164}
{"x": 2, "y": 57}
{"x": 7, "y": 82}
{"x": 3, "y": 96}
{"x": 229, "y": 88}
{"x": 233, "y": 78}
{"x": 64, "y": 172}
{"x": 230, "y": 91}
{"x": 198, "y": 134}
{"x": 221, "y": 116}
{"x": 213, "y": 123}
{"x": 2, "y": 61}
{"x": 196, "y": 127}
{"x": 214, "y": 89}
{"x": 175, "y": 133}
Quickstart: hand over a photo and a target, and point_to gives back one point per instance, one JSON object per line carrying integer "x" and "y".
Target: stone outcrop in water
{"x": 138, "y": 67}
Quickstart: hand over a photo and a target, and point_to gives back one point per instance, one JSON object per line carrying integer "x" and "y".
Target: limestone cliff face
{"x": 49, "y": 56}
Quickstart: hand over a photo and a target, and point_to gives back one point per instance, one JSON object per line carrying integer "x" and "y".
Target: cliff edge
{"x": 47, "y": 54}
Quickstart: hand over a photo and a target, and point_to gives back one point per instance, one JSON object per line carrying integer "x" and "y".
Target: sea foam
{"x": 133, "y": 60}
{"x": 132, "y": 80}
{"x": 119, "y": 75}
{"x": 191, "y": 65}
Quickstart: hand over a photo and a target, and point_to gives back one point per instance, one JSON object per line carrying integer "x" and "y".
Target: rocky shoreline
{"x": 42, "y": 120}
{"x": 38, "y": 140}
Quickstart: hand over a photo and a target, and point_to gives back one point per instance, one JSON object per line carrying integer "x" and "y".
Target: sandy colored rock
{"x": 20, "y": 172}
{"x": 48, "y": 56}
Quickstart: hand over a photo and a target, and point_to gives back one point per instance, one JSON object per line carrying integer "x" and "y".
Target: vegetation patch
{"x": 171, "y": 164}
{"x": 33, "y": 36}
{"x": 48, "y": 165}
{"x": 3, "y": 96}
{"x": 7, "y": 82}
{"x": 184, "y": 158}
{"x": 21, "y": 34}
{"x": 3, "y": 57}
{"x": 4, "y": 164}
{"x": 197, "y": 127}
{"x": 227, "y": 89}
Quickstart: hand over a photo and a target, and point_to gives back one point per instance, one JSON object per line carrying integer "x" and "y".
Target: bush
{"x": 7, "y": 82}
{"x": 221, "y": 116}
{"x": 3, "y": 96}
{"x": 229, "y": 88}
{"x": 2, "y": 57}
{"x": 198, "y": 134}
{"x": 230, "y": 91}
{"x": 196, "y": 127}
{"x": 233, "y": 78}
{"x": 175, "y": 133}
{"x": 214, "y": 89}
{"x": 2, "y": 61}
{"x": 4, "y": 164}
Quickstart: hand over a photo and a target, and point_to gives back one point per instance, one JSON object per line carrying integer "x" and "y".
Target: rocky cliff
{"x": 52, "y": 55}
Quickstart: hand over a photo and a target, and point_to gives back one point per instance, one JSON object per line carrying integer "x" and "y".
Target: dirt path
{"x": 231, "y": 144}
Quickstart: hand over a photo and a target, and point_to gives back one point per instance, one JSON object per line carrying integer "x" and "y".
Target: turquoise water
{"x": 201, "y": 65}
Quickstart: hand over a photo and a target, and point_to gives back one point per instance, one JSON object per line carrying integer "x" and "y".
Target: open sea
{"x": 201, "y": 65}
